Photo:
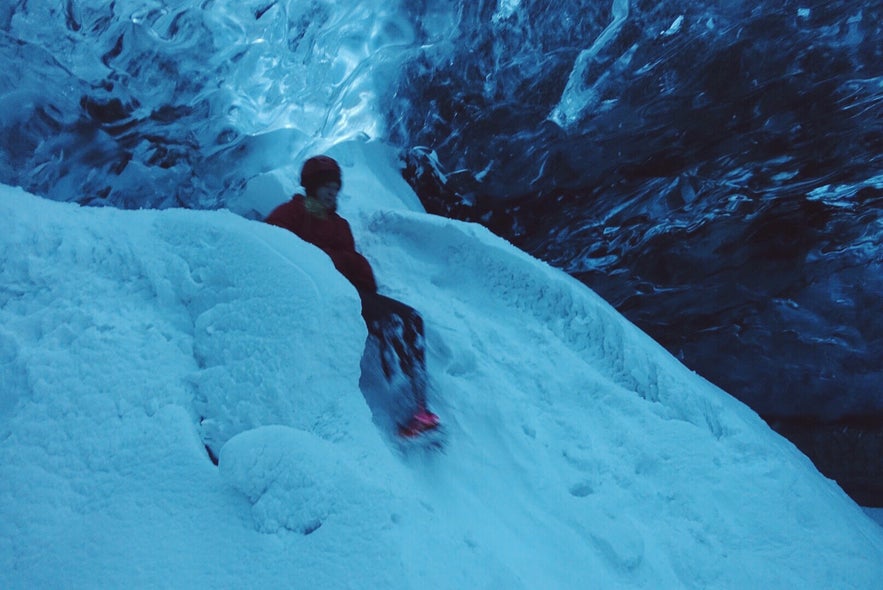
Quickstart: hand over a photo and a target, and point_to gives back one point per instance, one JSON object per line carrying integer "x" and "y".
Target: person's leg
{"x": 398, "y": 329}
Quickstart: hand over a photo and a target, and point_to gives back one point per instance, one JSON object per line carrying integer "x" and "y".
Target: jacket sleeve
{"x": 351, "y": 264}
{"x": 356, "y": 268}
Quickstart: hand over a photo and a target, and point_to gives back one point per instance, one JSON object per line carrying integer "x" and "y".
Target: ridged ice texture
{"x": 152, "y": 103}
{"x": 713, "y": 169}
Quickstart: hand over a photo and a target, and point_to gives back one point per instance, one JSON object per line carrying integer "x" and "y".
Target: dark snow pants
{"x": 398, "y": 331}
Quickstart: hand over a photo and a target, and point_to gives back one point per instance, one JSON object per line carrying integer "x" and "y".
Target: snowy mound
{"x": 579, "y": 453}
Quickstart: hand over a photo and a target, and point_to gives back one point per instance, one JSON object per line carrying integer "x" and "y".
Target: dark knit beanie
{"x": 317, "y": 171}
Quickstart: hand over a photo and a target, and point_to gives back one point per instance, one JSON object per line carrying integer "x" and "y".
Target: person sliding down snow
{"x": 397, "y": 328}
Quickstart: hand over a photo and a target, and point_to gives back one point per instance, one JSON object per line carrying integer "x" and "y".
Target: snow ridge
{"x": 579, "y": 452}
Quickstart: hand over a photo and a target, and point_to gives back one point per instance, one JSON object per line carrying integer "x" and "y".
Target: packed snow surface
{"x": 578, "y": 452}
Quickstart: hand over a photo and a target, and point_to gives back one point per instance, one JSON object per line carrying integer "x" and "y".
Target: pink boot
{"x": 420, "y": 422}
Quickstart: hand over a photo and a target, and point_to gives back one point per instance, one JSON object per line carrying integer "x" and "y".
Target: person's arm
{"x": 356, "y": 269}
{"x": 350, "y": 263}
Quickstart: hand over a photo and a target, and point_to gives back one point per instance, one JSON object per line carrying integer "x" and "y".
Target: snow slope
{"x": 580, "y": 454}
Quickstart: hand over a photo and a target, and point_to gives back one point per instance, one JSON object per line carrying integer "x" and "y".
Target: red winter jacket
{"x": 332, "y": 235}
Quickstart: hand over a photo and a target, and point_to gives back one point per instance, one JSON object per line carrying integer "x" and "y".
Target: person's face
{"x": 326, "y": 194}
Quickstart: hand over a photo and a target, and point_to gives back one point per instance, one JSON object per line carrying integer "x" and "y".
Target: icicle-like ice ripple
{"x": 145, "y": 103}
{"x": 712, "y": 169}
